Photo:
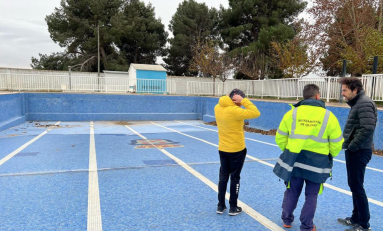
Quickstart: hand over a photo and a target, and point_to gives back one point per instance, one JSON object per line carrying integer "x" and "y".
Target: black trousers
{"x": 231, "y": 166}
{"x": 356, "y": 163}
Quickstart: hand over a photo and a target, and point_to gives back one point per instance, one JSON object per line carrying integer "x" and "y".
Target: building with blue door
{"x": 146, "y": 78}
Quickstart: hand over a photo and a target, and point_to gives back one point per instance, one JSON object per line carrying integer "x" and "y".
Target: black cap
{"x": 237, "y": 92}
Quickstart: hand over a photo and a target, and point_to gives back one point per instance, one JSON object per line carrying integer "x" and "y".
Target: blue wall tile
{"x": 12, "y": 110}
{"x": 86, "y": 107}
{"x": 16, "y": 108}
{"x": 272, "y": 114}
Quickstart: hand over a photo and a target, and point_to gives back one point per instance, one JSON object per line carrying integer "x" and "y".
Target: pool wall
{"x": 18, "y": 108}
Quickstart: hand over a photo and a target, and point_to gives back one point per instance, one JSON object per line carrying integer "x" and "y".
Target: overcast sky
{"x": 24, "y": 32}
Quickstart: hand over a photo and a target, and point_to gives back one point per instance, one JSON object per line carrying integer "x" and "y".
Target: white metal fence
{"x": 87, "y": 83}
{"x": 330, "y": 88}
{"x": 373, "y": 86}
{"x": 279, "y": 88}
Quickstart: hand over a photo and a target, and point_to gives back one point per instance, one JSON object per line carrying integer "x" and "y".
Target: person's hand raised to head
{"x": 237, "y": 99}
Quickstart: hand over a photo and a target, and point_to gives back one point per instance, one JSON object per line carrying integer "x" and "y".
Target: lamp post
{"x": 344, "y": 70}
{"x": 98, "y": 50}
{"x": 98, "y": 56}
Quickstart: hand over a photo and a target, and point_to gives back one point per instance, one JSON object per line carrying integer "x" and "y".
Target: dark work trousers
{"x": 290, "y": 201}
{"x": 231, "y": 165}
{"x": 356, "y": 163}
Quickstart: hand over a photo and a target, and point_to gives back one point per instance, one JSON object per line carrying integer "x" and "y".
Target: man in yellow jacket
{"x": 309, "y": 136}
{"x": 230, "y": 118}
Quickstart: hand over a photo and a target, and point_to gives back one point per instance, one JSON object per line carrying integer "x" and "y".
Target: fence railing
{"x": 373, "y": 86}
{"x": 38, "y": 82}
{"x": 279, "y": 88}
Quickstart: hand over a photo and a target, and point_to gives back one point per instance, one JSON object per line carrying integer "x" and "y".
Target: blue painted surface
{"x": 97, "y": 107}
{"x": 142, "y": 189}
{"x": 12, "y": 110}
{"x": 118, "y": 151}
{"x": 272, "y": 114}
{"x": 193, "y": 203}
{"x": 159, "y": 87}
{"x": 260, "y": 182}
{"x": 70, "y": 151}
{"x": 44, "y": 202}
{"x": 145, "y": 74}
{"x": 207, "y": 109}
{"x": 149, "y": 199}
{"x": 85, "y": 107}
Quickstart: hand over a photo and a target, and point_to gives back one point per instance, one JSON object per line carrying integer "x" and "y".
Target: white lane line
{"x": 12, "y": 154}
{"x": 341, "y": 161}
{"x": 185, "y": 134}
{"x": 94, "y": 209}
{"x": 217, "y": 131}
{"x": 247, "y": 209}
{"x": 373, "y": 169}
{"x": 350, "y": 194}
{"x": 271, "y": 165}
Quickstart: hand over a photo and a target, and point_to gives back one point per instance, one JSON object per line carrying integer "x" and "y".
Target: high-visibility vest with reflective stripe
{"x": 309, "y": 137}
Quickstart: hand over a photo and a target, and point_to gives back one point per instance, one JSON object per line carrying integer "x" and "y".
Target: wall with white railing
{"x": 35, "y": 80}
{"x": 76, "y": 83}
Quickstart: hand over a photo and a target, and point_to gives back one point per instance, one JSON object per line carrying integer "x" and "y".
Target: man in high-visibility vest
{"x": 309, "y": 136}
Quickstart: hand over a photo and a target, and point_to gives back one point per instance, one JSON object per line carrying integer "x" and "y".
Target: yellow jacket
{"x": 230, "y": 120}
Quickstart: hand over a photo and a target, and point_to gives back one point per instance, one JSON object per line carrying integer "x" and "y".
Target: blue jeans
{"x": 290, "y": 201}
{"x": 356, "y": 163}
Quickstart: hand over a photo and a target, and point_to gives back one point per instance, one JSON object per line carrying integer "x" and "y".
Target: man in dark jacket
{"x": 358, "y": 140}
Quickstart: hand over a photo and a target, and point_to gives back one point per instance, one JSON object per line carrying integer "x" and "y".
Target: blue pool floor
{"x": 158, "y": 175}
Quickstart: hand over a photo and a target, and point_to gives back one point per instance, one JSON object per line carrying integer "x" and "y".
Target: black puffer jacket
{"x": 360, "y": 126}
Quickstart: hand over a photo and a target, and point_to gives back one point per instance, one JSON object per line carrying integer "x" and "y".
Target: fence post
{"x": 344, "y": 70}
{"x": 187, "y": 88}
{"x": 11, "y": 82}
{"x": 278, "y": 89}
{"x": 372, "y": 80}
{"x": 297, "y": 89}
{"x": 328, "y": 89}
{"x": 374, "y": 70}
{"x": 213, "y": 85}
{"x": 262, "y": 89}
